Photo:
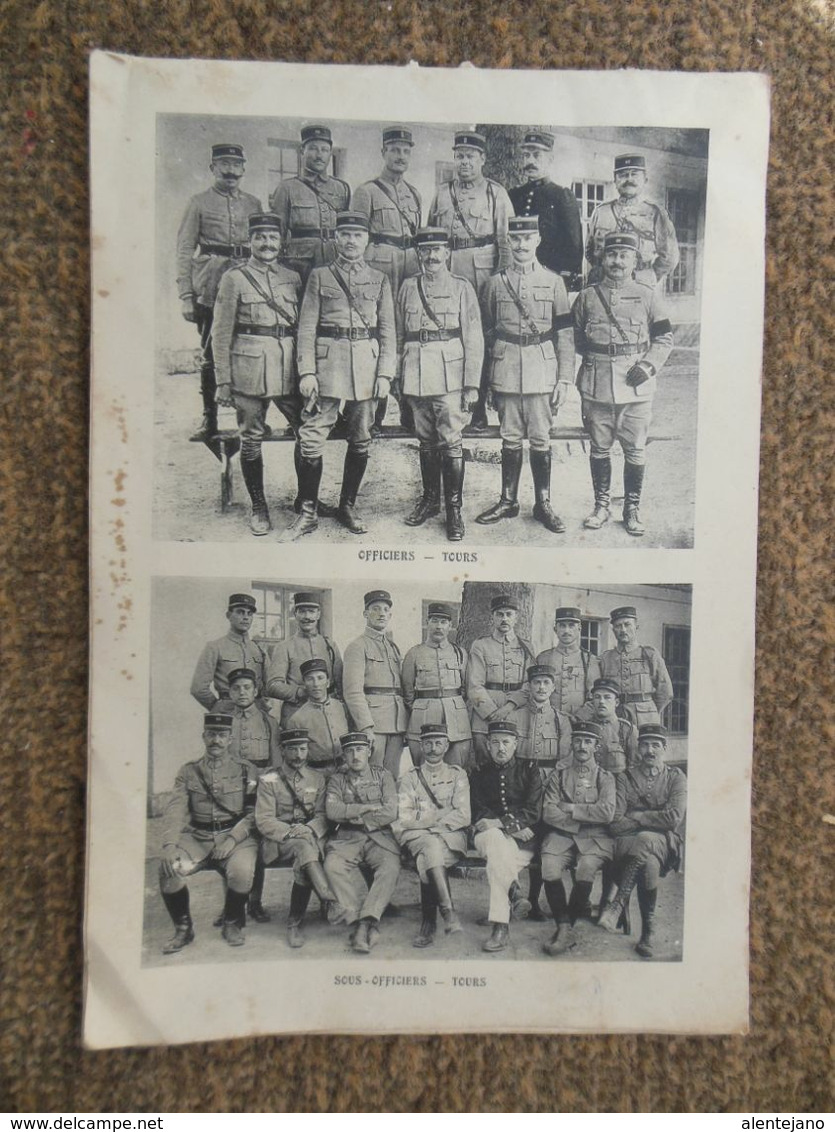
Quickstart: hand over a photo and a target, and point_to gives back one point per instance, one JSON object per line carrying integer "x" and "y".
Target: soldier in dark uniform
{"x": 284, "y": 676}
{"x": 208, "y": 824}
{"x": 579, "y": 803}
{"x": 560, "y": 228}
{"x": 213, "y": 235}
{"x": 639, "y": 670}
{"x": 210, "y": 682}
{"x": 575, "y": 668}
{"x": 624, "y": 337}
{"x": 505, "y": 797}
{"x": 290, "y": 816}
{"x": 323, "y": 717}
{"x": 651, "y": 803}
{"x": 307, "y": 205}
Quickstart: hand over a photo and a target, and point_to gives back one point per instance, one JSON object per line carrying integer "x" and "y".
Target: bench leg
{"x": 227, "y": 492}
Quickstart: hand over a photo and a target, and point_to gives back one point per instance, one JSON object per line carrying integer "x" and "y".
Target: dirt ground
{"x": 187, "y": 479}
{"x": 265, "y": 942}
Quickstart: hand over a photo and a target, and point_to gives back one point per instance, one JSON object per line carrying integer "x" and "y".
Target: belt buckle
{"x": 328, "y": 233}
{"x": 526, "y": 339}
{"x": 353, "y": 333}
{"x": 612, "y": 349}
{"x": 423, "y": 336}
{"x": 239, "y": 251}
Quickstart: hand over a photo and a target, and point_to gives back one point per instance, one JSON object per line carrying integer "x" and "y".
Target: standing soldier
{"x": 624, "y": 337}
{"x": 213, "y": 235}
{"x": 255, "y": 322}
{"x": 544, "y": 731}
{"x": 560, "y": 228}
{"x": 575, "y": 668}
{"x": 284, "y": 675}
{"x": 210, "y": 682}
{"x": 372, "y": 685}
{"x": 393, "y": 208}
{"x": 649, "y": 223}
{"x": 347, "y": 351}
{"x": 434, "y": 682}
{"x": 639, "y": 670}
{"x": 498, "y": 664}
{"x": 618, "y": 747}
{"x": 307, "y": 205}
{"x": 531, "y": 369}
{"x": 439, "y": 368}
{"x": 322, "y": 717}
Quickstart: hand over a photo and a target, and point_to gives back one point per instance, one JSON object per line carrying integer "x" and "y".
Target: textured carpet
{"x": 786, "y": 1062}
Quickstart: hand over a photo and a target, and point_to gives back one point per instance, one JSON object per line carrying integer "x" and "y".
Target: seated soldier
{"x": 322, "y": 717}
{"x": 651, "y": 803}
{"x": 578, "y": 805}
{"x": 433, "y": 803}
{"x": 208, "y": 824}
{"x": 506, "y": 795}
{"x": 362, "y": 802}
{"x": 290, "y": 816}
{"x": 618, "y": 736}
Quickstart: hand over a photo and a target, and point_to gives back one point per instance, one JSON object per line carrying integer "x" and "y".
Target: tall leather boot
{"x": 562, "y": 939}
{"x": 608, "y": 888}
{"x": 379, "y": 416}
{"x": 234, "y": 917}
{"x": 429, "y": 917}
{"x": 333, "y": 909}
{"x": 601, "y": 479}
{"x": 508, "y": 505}
{"x": 177, "y": 904}
{"x": 613, "y": 909}
{"x": 478, "y": 421}
{"x": 578, "y": 904}
{"x": 352, "y": 474}
{"x": 440, "y": 881}
{"x": 541, "y": 472}
{"x": 252, "y": 470}
{"x": 534, "y": 888}
{"x": 208, "y": 386}
{"x": 454, "y": 495}
{"x": 254, "y": 908}
{"x": 310, "y": 476}
{"x": 646, "y": 902}
{"x": 429, "y": 504}
{"x": 633, "y": 483}
{"x": 299, "y": 900}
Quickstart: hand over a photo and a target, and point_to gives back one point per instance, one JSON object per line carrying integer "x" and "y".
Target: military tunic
{"x": 235, "y": 650}
{"x": 212, "y": 218}
{"x": 373, "y": 694}
{"x": 307, "y": 207}
{"x": 393, "y": 208}
{"x": 284, "y": 677}
{"x": 580, "y": 839}
{"x": 438, "y": 842}
{"x": 650, "y": 809}
{"x": 544, "y": 732}
{"x": 255, "y": 734}
{"x": 576, "y": 670}
{"x": 618, "y": 740}
{"x": 658, "y": 252}
{"x": 325, "y": 723}
{"x": 498, "y": 666}
{"x": 286, "y": 798}
{"x": 434, "y": 681}
{"x": 643, "y": 678}
{"x": 560, "y": 227}
{"x": 475, "y": 215}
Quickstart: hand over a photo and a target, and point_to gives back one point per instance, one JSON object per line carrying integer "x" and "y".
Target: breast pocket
{"x": 333, "y": 303}
{"x": 386, "y": 218}
{"x": 304, "y": 216}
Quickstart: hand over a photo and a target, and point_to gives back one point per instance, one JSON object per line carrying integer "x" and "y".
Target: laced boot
{"x": 353, "y": 472}
{"x": 508, "y": 505}
{"x": 541, "y": 472}
{"x": 361, "y": 941}
{"x": 440, "y": 881}
{"x": 310, "y": 476}
{"x": 234, "y": 918}
{"x": 299, "y": 899}
{"x": 177, "y": 904}
{"x": 499, "y": 939}
{"x": 252, "y": 470}
{"x": 254, "y": 908}
{"x": 519, "y": 906}
{"x": 534, "y": 888}
{"x": 646, "y": 903}
{"x": 633, "y": 483}
{"x": 562, "y": 939}
{"x": 334, "y": 911}
{"x": 429, "y": 504}
{"x": 324, "y": 510}
{"x": 454, "y": 496}
{"x": 601, "y": 479}
{"x": 429, "y": 917}
{"x": 612, "y": 911}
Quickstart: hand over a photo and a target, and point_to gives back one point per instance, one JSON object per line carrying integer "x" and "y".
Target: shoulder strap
{"x": 220, "y": 805}
{"x": 429, "y": 312}
{"x": 453, "y": 196}
{"x": 432, "y": 797}
{"x": 386, "y": 189}
{"x": 270, "y": 301}
{"x": 520, "y": 306}
{"x": 610, "y": 313}
{"x": 293, "y": 793}
{"x": 646, "y": 656}
{"x": 347, "y": 291}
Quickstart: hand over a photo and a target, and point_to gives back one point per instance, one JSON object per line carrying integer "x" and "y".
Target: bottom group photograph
{"x": 451, "y": 770}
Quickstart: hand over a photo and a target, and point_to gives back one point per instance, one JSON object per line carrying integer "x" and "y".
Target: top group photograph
{"x": 427, "y": 332}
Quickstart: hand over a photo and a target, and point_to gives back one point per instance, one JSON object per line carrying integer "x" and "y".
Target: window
{"x": 676, "y": 653}
{"x": 273, "y": 620}
{"x": 683, "y": 207}
{"x": 283, "y": 162}
{"x": 444, "y": 173}
{"x": 589, "y": 195}
{"x": 591, "y": 635}
{"x": 454, "y": 606}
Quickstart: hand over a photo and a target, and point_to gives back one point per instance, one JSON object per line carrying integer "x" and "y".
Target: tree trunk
{"x": 475, "y": 609}
{"x": 504, "y": 162}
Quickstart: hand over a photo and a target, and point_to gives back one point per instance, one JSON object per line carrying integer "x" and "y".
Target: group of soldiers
{"x": 343, "y": 766}
{"x": 331, "y": 301}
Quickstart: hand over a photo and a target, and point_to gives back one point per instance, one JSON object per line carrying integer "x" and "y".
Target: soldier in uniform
{"x": 210, "y": 682}
{"x": 393, "y": 208}
{"x": 290, "y": 816}
{"x": 323, "y": 718}
{"x": 575, "y": 669}
{"x": 639, "y": 670}
{"x": 624, "y": 337}
{"x": 506, "y": 795}
{"x": 579, "y": 803}
{"x": 657, "y": 250}
{"x": 531, "y": 369}
{"x": 441, "y": 352}
{"x": 284, "y": 677}
{"x": 651, "y": 803}
{"x": 560, "y": 228}
{"x": 307, "y": 205}
{"x": 433, "y": 813}
{"x": 347, "y": 350}
{"x": 208, "y": 824}
{"x": 213, "y": 235}
{"x": 434, "y": 677}
{"x": 372, "y": 684}
{"x": 498, "y": 664}
{"x": 544, "y": 731}
{"x": 255, "y": 322}
{"x": 618, "y": 747}
{"x": 361, "y": 800}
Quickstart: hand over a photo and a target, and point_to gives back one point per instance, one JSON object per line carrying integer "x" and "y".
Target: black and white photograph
{"x": 487, "y": 333}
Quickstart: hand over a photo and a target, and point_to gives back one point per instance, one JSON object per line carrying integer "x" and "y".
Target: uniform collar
{"x": 233, "y": 194}
{"x": 536, "y": 182}
{"x": 237, "y": 637}
{"x": 246, "y": 712}
{"x": 307, "y": 636}
{"x": 523, "y": 268}
{"x": 314, "y": 178}
{"x": 505, "y": 766}
{"x": 567, "y": 651}
{"x": 347, "y": 267}
{"x": 510, "y": 639}
{"x": 375, "y": 634}
{"x": 476, "y": 184}
{"x": 650, "y": 773}
{"x": 391, "y": 178}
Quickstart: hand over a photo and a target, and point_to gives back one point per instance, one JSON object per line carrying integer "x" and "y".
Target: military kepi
{"x": 241, "y": 674}
{"x": 470, "y": 138}
{"x": 434, "y": 731}
{"x": 547, "y": 670}
{"x": 236, "y": 152}
{"x": 429, "y": 237}
{"x": 539, "y": 139}
{"x": 502, "y": 727}
{"x": 621, "y": 240}
{"x": 586, "y": 727}
{"x": 567, "y": 613}
{"x": 294, "y": 735}
{"x": 217, "y": 721}
{"x": 503, "y": 601}
{"x": 652, "y": 731}
{"x": 305, "y": 598}
{"x": 242, "y": 601}
{"x": 355, "y": 739}
{"x": 438, "y": 609}
{"x": 626, "y": 161}
{"x": 623, "y": 611}
{"x": 398, "y": 134}
{"x": 316, "y": 132}
{"x": 264, "y": 222}
{"x": 523, "y": 224}
{"x": 314, "y": 665}
{"x": 606, "y": 684}
{"x": 377, "y": 595}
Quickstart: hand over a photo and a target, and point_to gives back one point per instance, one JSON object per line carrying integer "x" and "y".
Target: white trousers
{"x": 505, "y": 859}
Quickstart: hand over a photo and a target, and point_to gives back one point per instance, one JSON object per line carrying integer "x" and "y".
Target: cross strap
{"x": 383, "y": 187}
{"x": 520, "y": 306}
{"x": 432, "y": 796}
{"x": 269, "y": 299}
{"x": 351, "y": 300}
{"x": 222, "y": 805}
{"x": 610, "y": 313}
{"x": 429, "y": 312}
{"x": 308, "y": 810}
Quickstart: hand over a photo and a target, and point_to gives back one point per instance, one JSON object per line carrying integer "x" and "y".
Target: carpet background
{"x": 786, "y": 1062}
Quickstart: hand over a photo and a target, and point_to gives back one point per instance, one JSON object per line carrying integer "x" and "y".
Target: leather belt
{"x": 318, "y": 766}
{"x": 308, "y": 233}
{"x": 637, "y": 698}
{"x": 616, "y": 349}
{"x": 267, "y": 331}
{"x": 524, "y": 339}
{"x": 506, "y": 687}
{"x": 462, "y": 243}
{"x": 215, "y": 826}
{"x": 549, "y": 763}
{"x": 352, "y": 827}
{"x": 234, "y": 251}
{"x": 374, "y": 690}
{"x": 354, "y": 333}
{"x": 402, "y": 242}
{"x": 437, "y": 693}
{"x": 432, "y": 335}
